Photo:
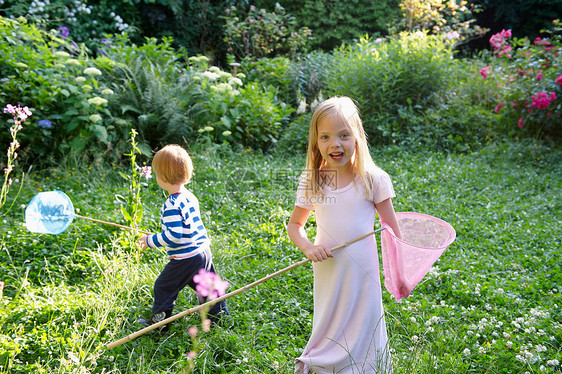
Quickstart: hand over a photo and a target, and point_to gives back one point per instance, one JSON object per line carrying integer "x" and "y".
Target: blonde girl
{"x": 345, "y": 188}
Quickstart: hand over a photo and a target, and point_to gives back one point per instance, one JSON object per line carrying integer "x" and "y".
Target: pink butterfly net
{"x": 406, "y": 261}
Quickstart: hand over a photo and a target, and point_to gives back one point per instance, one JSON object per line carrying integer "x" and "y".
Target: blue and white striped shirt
{"x": 184, "y": 234}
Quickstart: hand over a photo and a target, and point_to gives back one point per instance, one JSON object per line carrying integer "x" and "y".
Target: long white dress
{"x": 348, "y": 330}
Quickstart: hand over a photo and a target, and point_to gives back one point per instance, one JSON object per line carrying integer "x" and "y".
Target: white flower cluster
{"x": 37, "y": 8}
{"x": 79, "y": 7}
{"x": 119, "y": 23}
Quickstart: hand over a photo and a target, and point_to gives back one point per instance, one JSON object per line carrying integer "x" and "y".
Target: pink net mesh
{"x": 406, "y": 261}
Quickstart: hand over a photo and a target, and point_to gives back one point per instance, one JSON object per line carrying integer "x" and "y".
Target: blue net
{"x": 49, "y": 213}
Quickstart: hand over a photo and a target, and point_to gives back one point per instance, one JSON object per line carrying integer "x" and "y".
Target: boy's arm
{"x": 297, "y": 234}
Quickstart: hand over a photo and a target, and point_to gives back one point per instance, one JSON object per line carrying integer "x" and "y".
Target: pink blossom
{"x": 145, "y": 171}
{"x": 206, "y": 325}
{"x": 540, "y": 76}
{"x": 559, "y": 80}
{"x": 209, "y": 284}
{"x": 553, "y": 96}
{"x": 520, "y": 123}
{"x": 541, "y": 100}
{"x": 192, "y": 331}
{"x": 484, "y": 71}
{"x": 191, "y": 355}
{"x": 498, "y": 108}
{"x": 499, "y": 39}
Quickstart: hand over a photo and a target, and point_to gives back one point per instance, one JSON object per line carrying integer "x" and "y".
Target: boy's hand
{"x": 142, "y": 242}
{"x": 317, "y": 253}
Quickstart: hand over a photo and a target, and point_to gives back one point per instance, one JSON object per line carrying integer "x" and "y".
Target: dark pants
{"x": 175, "y": 276}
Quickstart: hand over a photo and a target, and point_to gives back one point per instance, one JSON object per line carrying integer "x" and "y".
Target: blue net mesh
{"x": 49, "y": 213}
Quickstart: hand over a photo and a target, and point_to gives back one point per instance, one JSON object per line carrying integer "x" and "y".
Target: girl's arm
{"x": 295, "y": 229}
{"x": 387, "y": 214}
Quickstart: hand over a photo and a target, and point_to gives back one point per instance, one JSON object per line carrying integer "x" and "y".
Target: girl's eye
{"x": 324, "y": 137}
{"x": 345, "y": 136}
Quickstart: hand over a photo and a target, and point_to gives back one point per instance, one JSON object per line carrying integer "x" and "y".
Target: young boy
{"x": 184, "y": 236}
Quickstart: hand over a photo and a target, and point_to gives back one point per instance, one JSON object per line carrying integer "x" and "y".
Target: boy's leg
{"x": 205, "y": 261}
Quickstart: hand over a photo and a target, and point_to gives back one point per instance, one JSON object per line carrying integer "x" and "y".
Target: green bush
{"x": 386, "y": 75}
{"x": 259, "y": 33}
{"x": 55, "y": 79}
{"x": 245, "y": 114}
{"x": 154, "y": 93}
{"x": 528, "y": 80}
{"x": 335, "y": 22}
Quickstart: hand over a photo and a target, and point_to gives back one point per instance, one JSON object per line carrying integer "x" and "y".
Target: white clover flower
{"x": 97, "y": 100}
{"x": 107, "y": 91}
{"x": 72, "y": 61}
{"x": 509, "y": 344}
{"x": 95, "y": 118}
{"x": 92, "y": 71}
{"x": 466, "y": 351}
{"x": 80, "y": 79}
{"x": 62, "y": 54}
{"x": 415, "y": 339}
{"x": 553, "y": 363}
{"x": 226, "y": 133}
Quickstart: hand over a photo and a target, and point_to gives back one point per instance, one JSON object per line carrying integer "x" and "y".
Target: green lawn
{"x": 490, "y": 305}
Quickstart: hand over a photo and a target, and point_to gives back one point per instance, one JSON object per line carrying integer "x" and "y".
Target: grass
{"x": 490, "y": 305}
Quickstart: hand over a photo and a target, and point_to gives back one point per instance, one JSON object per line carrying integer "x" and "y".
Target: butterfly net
{"x": 49, "y": 213}
{"x": 406, "y": 261}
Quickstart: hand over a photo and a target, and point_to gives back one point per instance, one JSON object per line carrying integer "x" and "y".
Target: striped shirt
{"x": 184, "y": 234}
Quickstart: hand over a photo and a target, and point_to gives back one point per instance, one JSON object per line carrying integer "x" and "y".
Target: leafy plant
{"x": 385, "y": 75}
{"x": 258, "y": 33}
{"x": 529, "y": 78}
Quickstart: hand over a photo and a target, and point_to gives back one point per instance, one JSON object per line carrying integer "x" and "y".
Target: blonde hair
{"x": 173, "y": 165}
{"x": 343, "y": 109}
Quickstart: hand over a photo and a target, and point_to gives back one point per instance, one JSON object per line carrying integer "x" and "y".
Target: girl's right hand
{"x": 317, "y": 253}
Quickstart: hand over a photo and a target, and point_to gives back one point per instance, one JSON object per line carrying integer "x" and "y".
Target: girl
{"x": 345, "y": 187}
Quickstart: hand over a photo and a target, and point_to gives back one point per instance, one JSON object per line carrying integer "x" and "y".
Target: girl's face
{"x": 336, "y": 142}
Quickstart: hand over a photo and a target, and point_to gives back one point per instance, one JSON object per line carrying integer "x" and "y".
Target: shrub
{"x": 259, "y": 33}
{"x": 271, "y": 72}
{"x": 54, "y": 78}
{"x": 528, "y": 76}
{"x": 154, "y": 93}
{"x": 245, "y": 114}
{"x": 383, "y": 76}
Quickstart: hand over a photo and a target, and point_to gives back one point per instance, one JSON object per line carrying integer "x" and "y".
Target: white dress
{"x": 348, "y": 329}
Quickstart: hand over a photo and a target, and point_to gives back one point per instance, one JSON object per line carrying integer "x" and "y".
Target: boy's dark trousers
{"x": 175, "y": 276}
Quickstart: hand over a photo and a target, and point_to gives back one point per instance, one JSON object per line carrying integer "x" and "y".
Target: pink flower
{"x": 541, "y": 100}
{"x": 209, "y": 284}
{"x": 206, "y": 325}
{"x": 145, "y": 171}
{"x": 498, "y": 108}
{"x": 559, "y": 80}
{"x": 499, "y": 39}
{"x": 520, "y": 123}
{"x": 191, "y": 355}
{"x": 192, "y": 331}
{"x": 484, "y": 71}
{"x": 540, "y": 76}
{"x": 553, "y": 96}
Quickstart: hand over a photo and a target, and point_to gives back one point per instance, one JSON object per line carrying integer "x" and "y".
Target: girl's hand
{"x": 317, "y": 253}
{"x": 142, "y": 242}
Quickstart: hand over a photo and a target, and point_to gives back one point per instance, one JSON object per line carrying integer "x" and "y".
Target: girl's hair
{"x": 172, "y": 164}
{"x": 343, "y": 109}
